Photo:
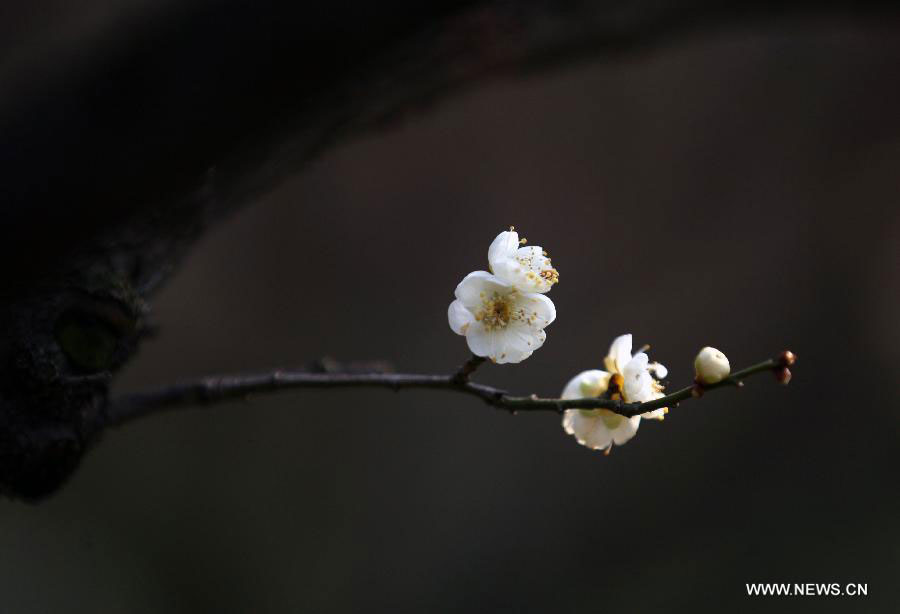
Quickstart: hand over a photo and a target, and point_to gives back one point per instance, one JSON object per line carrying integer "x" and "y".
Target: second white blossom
{"x": 629, "y": 378}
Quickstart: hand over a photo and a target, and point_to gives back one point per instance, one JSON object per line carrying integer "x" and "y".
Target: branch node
{"x": 697, "y": 389}
{"x": 467, "y": 369}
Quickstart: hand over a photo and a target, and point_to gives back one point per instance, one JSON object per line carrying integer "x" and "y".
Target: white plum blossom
{"x": 711, "y": 366}
{"x": 638, "y": 384}
{"x": 503, "y": 313}
{"x": 498, "y": 320}
{"x": 527, "y": 268}
{"x": 627, "y": 378}
{"x": 597, "y": 429}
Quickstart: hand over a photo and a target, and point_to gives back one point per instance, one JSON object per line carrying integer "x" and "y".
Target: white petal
{"x": 598, "y": 438}
{"x": 475, "y": 285}
{"x": 460, "y": 318}
{"x": 619, "y": 354}
{"x": 511, "y": 271}
{"x": 570, "y": 416}
{"x": 528, "y": 269}
{"x": 533, "y": 259}
{"x": 588, "y": 428}
{"x": 626, "y": 430}
{"x": 514, "y": 344}
{"x": 498, "y": 345}
{"x": 656, "y": 414}
{"x": 511, "y": 356}
{"x": 534, "y": 255}
{"x": 523, "y": 338}
{"x": 539, "y": 311}
{"x": 638, "y": 381}
{"x": 480, "y": 341}
{"x": 503, "y": 247}
{"x": 659, "y": 371}
{"x": 587, "y": 384}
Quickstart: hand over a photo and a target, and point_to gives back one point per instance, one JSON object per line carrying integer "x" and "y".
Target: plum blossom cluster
{"x": 628, "y": 377}
{"x": 503, "y": 313}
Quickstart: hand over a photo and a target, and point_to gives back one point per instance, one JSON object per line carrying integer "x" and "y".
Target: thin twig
{"x": 210, "y": 390}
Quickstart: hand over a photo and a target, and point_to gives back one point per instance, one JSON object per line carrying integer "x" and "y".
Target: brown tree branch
{"x": 215, "y": 389}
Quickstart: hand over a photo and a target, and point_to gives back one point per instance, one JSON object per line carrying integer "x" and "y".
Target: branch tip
{"x": 787, "y": 358}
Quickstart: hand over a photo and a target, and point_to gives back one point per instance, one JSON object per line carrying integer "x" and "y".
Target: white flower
{"x": 527, "y": 268}
{"x": 503, "y": 315}
{"x": 711, "y": 366}
{"x": 628, "y": 378}
{"x": 499, "y": 321}
{"x": 597, "y": 429}
{"x": 637, "y": 384}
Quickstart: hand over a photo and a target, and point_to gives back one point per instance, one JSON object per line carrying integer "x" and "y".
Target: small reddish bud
{"x": 783, "y": 375}
{"x": 787, "y": 358}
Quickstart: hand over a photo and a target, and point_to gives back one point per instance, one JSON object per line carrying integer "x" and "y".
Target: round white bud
{"x": 711, "y": 366}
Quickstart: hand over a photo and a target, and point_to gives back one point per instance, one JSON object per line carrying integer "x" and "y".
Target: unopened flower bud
{"x": 711, "y": 366}
{"x": 787, "y": 358}
{"x": 783, "y": 375}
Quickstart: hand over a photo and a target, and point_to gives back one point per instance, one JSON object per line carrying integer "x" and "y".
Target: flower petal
{"x": 459, "y": 317}
{"x": 528, "y": 268}
{"x": 659, "y": 371}
{"x": 619, "y": 354}
{"x": 591, "y": 383}
{"x": 500, "y": 345}
{"x": 503, "y": 247}
{"x": 479, "y": 340}
{"x": 537, "y": 309}
{"x": 516, "y": 343}
{"x": 523, "y": 338}
{"x": 510, "y": 271}
{"x": 475, "y": 285}
{"x": 511, "y": 356}
{"x": 638, "y": 386}
{"x": 626, "y": 430}
{"x": 656, "y": 414}
{"x": 588, "y": 428}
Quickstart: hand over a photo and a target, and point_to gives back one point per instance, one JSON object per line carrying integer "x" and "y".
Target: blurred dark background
{"x": 735, "y": 188}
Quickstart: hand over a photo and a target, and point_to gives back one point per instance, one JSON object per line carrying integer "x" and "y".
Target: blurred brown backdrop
{"x": 737, "y": 189}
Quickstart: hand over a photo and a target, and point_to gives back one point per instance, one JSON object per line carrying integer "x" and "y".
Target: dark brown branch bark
{"x": 215, "y": 389}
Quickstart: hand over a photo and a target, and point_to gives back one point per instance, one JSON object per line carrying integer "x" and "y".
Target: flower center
{"x": 616, "y": 387}
{"x": 551, "y": 276}
{"x": 496, "y": 312}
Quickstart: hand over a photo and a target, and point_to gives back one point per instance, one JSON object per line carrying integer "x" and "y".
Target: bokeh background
{"x": 737, "y": 188}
